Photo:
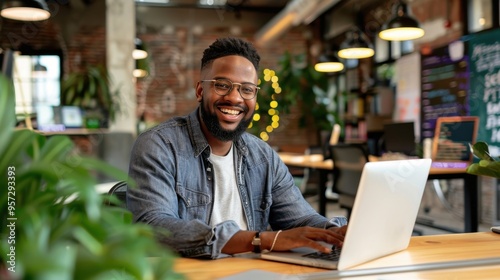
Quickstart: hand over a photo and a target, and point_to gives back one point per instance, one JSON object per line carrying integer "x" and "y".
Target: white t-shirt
{"x": 227, "y": 200}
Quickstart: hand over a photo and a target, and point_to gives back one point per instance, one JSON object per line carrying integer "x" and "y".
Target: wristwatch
{"x": 256, "y": 242}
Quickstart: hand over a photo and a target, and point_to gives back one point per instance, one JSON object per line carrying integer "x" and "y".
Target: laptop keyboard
{"x": 334, "y": 255}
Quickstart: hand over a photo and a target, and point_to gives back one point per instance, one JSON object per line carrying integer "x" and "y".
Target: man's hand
{"x": 307, "y": 237}
{"x": 288, "y": 239}
{"x": 339, "y": 230}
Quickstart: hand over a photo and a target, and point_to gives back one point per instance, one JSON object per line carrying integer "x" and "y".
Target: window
{"x": 37, "y": 81}
{"x": 480, "y": 15}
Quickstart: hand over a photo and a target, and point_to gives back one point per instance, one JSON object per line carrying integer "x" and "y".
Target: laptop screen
{"x": 452, "y": 138}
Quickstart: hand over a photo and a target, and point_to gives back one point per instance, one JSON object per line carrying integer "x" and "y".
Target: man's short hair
{"x": 230, "y": 46}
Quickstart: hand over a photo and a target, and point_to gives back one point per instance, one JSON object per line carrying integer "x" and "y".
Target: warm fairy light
{"x": 273, "y": 117}
{"x": 264, "y": 136}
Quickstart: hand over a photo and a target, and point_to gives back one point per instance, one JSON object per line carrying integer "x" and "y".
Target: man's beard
{"x": 213, "y": 125}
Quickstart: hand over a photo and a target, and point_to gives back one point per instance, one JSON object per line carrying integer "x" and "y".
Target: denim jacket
{"x": 175, "y": 188}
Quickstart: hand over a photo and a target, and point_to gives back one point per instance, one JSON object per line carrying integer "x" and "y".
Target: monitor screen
{"x": 71, "y": 116}
{"x": 399, "y": 137}
{"x": 452, "y": 138}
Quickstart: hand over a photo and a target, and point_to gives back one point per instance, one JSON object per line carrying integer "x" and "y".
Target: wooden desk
{"x": 427, "y": 257}
{"x": 76, "y": 131}
{"x": 471, "y": 197}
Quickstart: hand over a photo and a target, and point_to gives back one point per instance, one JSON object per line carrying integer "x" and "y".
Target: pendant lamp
{"x": 25, "y": 10}
{"x": 356, "y": 45}
{"x": 139, "y": 73}
{"x": 39, "y": 68}
{"x": 141, "y": 68}
{"x": 401, "y": 27}
{"x": 329, "y": 62}
{"x": 140, "y": 51}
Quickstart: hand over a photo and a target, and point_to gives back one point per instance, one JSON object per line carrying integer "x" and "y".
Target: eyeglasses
{"x": 224, "y": 86}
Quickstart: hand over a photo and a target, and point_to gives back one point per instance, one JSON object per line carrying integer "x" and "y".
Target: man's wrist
{"x": 257, "y": 242}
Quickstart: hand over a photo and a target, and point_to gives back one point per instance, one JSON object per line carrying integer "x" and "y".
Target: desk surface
{"x": 77, "y": 131}
{"x": 316, "y": 161}
{"x": 423, "y": 250}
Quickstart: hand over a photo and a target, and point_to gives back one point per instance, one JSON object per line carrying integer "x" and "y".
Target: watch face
{"x": 256, "y": 241}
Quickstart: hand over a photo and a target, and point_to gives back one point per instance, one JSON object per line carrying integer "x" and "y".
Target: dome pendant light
{"x": 356, "y": 46}
{"x": 140, "y": 51}
{"x": 38, "y": 67}
{"x": 401, "y": 27}
{"x": 25, "y": 10}
{"x": 328, "y": 63}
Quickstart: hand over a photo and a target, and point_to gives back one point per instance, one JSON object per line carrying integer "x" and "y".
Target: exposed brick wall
{"x": 85, "y": 44}
{"x": 28, "y": 35}
{"x": 88, "y": 47}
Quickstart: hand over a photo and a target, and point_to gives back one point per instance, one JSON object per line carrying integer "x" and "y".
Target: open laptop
{"x": 382, "y": 219}
{"x": 450, "y": 146}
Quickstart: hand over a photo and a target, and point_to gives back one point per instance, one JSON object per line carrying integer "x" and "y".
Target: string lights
{"x": 272, "y": 105}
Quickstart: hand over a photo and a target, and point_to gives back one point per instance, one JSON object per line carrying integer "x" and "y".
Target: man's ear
{"x": 199, "y": 92}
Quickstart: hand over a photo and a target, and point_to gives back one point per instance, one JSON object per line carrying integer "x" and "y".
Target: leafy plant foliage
{"x": 90, "y": 89}
{"x": 54, "y": 224}
{"x": 487, "y": 165}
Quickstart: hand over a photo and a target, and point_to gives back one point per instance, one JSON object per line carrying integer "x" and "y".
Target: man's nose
{"x": 235, "y": 92}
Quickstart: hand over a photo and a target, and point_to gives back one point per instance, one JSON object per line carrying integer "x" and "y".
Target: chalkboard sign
{"x": 445, "y": 78}
{"x": 484, "y": 52}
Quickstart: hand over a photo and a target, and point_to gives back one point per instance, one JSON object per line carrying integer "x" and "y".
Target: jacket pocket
{"x": 262, "y": 203}
{"x": 192, "y": 198}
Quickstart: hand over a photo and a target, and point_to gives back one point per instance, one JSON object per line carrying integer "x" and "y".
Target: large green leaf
{"x": 481, "y": 151}
{"x": 7, "y": 112}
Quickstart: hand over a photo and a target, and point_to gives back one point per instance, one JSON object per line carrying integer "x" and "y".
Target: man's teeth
{"x": 231, "y": 112}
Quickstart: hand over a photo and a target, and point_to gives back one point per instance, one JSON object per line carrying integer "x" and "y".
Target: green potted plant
{"x": 54, "y": 224}
{"x": 90, "y": 89}
{"x": 487, "y": 165}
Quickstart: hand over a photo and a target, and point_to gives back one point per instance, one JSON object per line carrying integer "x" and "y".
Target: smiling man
{"x": 216, "y": 189}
